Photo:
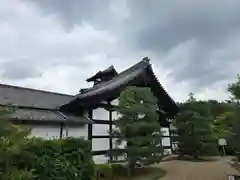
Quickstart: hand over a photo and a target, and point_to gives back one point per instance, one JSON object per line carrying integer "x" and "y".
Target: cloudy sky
{"x": 56, "y": 44}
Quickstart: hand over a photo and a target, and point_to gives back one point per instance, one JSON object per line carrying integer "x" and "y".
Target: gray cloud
{"x": 77, "y": 12}
{"x": 161, "y": 26}
{"x": 195, "y": 42}
{"x": 20, "y": 69}
{"x": 164, "y": 25}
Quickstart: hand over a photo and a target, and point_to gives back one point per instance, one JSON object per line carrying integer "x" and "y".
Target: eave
{"x": 141, "y": 74}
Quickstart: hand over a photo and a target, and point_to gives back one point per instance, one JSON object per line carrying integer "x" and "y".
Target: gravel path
{"x": 187, "y": 170}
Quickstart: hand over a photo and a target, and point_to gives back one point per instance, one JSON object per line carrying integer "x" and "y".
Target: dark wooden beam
{"x": 105, "y": 152}
{"x": 167, "y": 147}
{"x": 45, "y": 122}
{"x": 110, "y": 131}
{"x": 108, "y": 106}
{"x": 61, "y": 131}
{"x": 90, "y": 127}
{"x": 104, "y": 136}
{"x": 98, "y": 121}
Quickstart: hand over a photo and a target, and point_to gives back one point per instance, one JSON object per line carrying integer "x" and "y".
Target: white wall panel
{"x": 115, "y": 115}
{"x": 115, "y": 102}
{"x": 166, "y": 141}
{"x": 77, "y": 132}
{"x": 100, "y": 129}
{"x": 165, "y": 131}
{"x": 100, "y": 144}
{"x": 98, "y": 159}
{"x": 100, "y": 113}
{"x": 46, "y": 132}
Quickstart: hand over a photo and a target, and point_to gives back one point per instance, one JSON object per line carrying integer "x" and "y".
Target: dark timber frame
{"x": 110, "y": 108}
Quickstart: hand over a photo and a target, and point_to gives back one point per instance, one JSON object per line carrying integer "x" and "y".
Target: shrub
{"x": 104, "y": 170}
{"x": 118, "y": 169}
{"x": 64, "y": 159}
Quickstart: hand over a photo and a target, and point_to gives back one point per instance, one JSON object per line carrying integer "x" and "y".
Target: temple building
{"x": 90, "y": 113}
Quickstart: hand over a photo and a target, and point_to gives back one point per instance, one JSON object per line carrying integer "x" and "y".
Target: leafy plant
{"x": 138, "y": 126}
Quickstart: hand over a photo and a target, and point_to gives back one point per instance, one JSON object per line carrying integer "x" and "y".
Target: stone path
{"x": 187, "y": 170}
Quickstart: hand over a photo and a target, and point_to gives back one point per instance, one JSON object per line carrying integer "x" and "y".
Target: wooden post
{"x": 61, "y": 130}
{"x": 110, "y": 131}
{"x": 170, "y": 138}
{"x": 90, "y": 127}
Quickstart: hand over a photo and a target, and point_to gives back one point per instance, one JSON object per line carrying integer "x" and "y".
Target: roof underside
{"x": 140, "y": 74}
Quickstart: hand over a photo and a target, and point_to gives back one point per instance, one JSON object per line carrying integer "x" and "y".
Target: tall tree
{"x": 195, "y": 129}
{"x": 138, "y": 126}
{"x": 234, "y": 90}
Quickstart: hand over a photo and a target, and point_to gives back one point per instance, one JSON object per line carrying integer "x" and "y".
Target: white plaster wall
{"x": 98, "y": 159}
{"x": 46, "y": 131}
{"x": 165, "y": 131}
{"x": 76, "y": 132}
{"x": 53, "y": 131}
{"x": 100, "y": 144}
{"x": 100, "y": 129}
{"x": 166, "y": 141}
{"x": 101, "y": 114}
{"x": 115, "y": 114}
{"x": 115, "y": 102}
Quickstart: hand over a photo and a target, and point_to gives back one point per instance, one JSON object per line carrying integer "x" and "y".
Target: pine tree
{"x": 138, "y": 126}
{"x": 195, "y": 129}
{"x": 234, "y": 90}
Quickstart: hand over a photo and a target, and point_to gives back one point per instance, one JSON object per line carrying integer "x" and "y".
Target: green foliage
{"x": 120, "y": 172}
{"x": 138, "y": 125}
{"x": 222, "y": 127}
{"x": 195, "y": 129}
{"x": 61, "y": 159}
{"x": 104, "y": 170}
{"x": 38, "y": 159}
{"x": 13, "y": 161}
{"x": 234, "y": 89}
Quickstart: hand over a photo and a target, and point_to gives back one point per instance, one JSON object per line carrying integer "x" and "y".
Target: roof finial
{"x": 146, "y": 59}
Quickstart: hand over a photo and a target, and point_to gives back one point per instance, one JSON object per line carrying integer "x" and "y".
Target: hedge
{"x": 63, "y": 159}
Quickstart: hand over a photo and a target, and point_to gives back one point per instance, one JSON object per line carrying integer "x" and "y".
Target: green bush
{"x": 118, "y": 169}
{"x": 104, "y": 170}
{"x": 66, "y": 159}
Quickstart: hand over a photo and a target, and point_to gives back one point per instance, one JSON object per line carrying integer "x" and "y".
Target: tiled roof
{"x": 37, "y": 105}
{"x": 117, "y": 81}
{"x": 26, "y": 97}
{"x": 47, "y": 115}
{"x": 110, "y": 69}
{"x": 126, "y": 78}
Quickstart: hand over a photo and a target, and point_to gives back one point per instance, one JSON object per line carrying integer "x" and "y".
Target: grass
{"x": 146, "y": 173}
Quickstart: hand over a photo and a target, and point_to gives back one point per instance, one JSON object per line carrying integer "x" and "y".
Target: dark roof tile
{"x": 47, "y": 115}
{"x": 26, "y": 97}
